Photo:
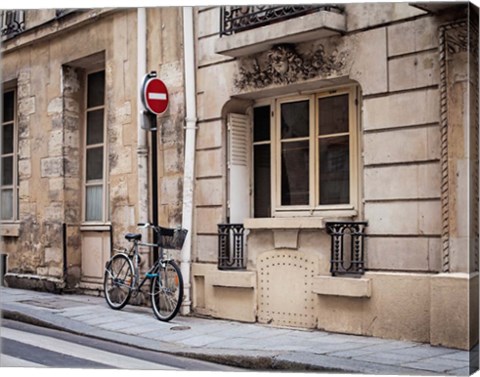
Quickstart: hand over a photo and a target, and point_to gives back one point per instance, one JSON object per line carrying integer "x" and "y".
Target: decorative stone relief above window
{"x": 283, "y": 64}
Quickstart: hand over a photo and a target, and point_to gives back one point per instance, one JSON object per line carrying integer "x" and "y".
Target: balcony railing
{"x": 12, "y": 22}
{"x": 234, "y": 19}
{"x": 63, "y": 12}
{"x": 347, "y": 247}
{"x": 231, "y": 250}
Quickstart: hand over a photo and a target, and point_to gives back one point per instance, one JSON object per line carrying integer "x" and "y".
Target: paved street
{"x": 25, "y": 345}
{"x": 238, "y": 344}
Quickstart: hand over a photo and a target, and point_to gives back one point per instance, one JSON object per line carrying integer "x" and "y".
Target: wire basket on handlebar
{"x": 171, "y": 238}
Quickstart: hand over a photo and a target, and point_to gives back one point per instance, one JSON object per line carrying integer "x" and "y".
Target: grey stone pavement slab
{"x": 247, "y": 345}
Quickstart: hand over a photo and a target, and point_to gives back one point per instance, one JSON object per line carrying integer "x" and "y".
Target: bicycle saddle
{"x": 133, "y": 236}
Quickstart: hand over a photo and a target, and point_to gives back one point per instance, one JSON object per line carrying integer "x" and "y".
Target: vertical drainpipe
{"x": 142, "y": 148}
{"x": 190, "y": 131}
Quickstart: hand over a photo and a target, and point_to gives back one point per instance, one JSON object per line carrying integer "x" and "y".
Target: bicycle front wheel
{"x": 167, "y": 291}
{"x": 118, "y": 281}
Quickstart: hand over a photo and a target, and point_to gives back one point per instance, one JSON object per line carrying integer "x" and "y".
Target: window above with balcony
{"x": 246, "y": 30}
{"x": 12, "y": 22}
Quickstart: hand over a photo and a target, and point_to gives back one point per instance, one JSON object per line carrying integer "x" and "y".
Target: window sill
{"x": 297, "y": 222}
{"x": 9, "y": 229}
{"x": 95, "y": 227}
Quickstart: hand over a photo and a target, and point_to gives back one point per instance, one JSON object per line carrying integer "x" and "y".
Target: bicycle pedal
{"x": 151, "y": 276}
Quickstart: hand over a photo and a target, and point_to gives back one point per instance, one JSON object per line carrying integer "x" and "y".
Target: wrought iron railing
{"x": 63, "y": 12}
{"x": 12, "y": 22}
{"x": 234, "y": 19}
{"x": 347, "y": 247}
{"x": 231, "y": 249}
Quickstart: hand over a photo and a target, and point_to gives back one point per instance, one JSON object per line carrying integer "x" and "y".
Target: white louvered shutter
{"x": 238, "y": 171}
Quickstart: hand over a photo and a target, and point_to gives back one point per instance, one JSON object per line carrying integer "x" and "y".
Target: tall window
{"x": 261, "y": 161}
{"x": 95, "y": 136}
{"x": 306, "y": 146}
{"x": 8, "y": 183}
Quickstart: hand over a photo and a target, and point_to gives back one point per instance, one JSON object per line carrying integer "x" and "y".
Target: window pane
{"x": 333, "y": 114}
{"x": 7, "y": 204}
{"x": 261, "y": 181}
{"x": 295, "y": 119}
{"x": 93, "y": 210}
{"x": 94, "y": 163}
{"x": 95, "y": 127}
{"x": 96, "y": 89}
{"x": 8, "y": 106}
{"x": 7, "y": 139}
{"x": 334, "y": 170}
{"x": 295, "y": 169}
{"x": 7, "y": 170}
{"x": 261, "y": 123}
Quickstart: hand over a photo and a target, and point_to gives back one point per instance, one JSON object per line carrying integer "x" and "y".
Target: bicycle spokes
{"x": 167, "y": 291}
{"x": 118, "y": 281}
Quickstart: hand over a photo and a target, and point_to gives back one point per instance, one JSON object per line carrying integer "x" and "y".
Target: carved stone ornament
{"x": 284, "y": 65}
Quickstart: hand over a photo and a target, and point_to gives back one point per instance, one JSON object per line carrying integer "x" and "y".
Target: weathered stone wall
{"x": 165, "y": 56}
{"x": 50, "y": 76}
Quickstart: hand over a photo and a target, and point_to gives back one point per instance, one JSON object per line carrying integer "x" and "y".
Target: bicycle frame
{"x": 133, "y": 254}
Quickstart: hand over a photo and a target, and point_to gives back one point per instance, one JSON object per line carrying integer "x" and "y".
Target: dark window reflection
{"x": 261, "y": 181}
{"x": 295, "y": 173}
{"x": 96, "y": 89}
{"x": 334, "y": 170}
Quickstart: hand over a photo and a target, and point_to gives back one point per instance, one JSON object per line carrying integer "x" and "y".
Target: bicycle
{"x": 122, "y": 275}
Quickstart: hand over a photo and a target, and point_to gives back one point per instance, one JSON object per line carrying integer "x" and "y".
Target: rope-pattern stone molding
{"x": 458, "y": 37}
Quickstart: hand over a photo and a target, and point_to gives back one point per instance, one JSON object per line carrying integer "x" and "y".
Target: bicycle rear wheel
{"x": 118, "y": 281}
{"x": 167, "y": 291}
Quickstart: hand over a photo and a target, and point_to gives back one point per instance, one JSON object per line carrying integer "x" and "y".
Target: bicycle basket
{"x": 169, "y": 238}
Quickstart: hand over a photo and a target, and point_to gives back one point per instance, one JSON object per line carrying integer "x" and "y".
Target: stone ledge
{"x": 297, "y": 222}
{"x": 234, "y": 279}
{"x": 300, "y": 29}
{"x": 229, "y": 279}
{"x": 10, "y": 230}
{"x": 342, "y": 286}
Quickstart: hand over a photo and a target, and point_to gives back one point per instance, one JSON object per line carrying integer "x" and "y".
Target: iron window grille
{"x": 347, "y": 247}
{"x": 12, "y": 22}
{"x": 231, "y": 250}
{"x": 234, "y": 19}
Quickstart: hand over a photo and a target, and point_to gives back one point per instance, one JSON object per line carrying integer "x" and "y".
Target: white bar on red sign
{"x": 158, "y": 96}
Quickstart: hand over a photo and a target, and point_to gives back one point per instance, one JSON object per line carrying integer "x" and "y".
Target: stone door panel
{"x": 285, "y": 280}
{"x": 95, "y": 253}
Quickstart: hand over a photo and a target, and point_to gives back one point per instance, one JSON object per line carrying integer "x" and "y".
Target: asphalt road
{"x": 25, "y": 345}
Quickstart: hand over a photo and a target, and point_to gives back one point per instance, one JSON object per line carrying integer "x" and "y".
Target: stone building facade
{"x": 74, "y": 188}
{"x": 385, "y": 94}
{"x": 317, "y": 130}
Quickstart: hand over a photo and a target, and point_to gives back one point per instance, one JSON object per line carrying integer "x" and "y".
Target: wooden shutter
{"x": 238, "y": 168}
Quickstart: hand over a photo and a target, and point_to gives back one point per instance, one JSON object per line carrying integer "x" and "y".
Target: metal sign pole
{"x": 154, "y": 96}
{"x": 153, "y": 123}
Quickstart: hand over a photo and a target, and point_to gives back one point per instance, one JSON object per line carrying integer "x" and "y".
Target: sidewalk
{"x": 255, "y": 346}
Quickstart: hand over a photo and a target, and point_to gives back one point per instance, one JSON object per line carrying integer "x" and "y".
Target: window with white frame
{"x": 9, "y": 180}
{"x": 305, "y": 154}
{"x": 95, "y": 148}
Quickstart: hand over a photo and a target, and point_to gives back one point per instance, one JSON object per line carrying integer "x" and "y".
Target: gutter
{"x": 189, "y": 167}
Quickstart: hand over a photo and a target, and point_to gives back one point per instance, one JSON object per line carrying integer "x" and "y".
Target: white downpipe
{"x": 190, "y": 127}
{"x": 142, "y": 147}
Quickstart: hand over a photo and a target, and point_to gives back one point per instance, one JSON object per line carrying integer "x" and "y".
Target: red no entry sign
{"x": 155, "y": 95}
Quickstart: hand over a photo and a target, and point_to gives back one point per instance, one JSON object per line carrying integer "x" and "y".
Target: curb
{"x": 264, "y": 362}
{"x": 246, "y": 359}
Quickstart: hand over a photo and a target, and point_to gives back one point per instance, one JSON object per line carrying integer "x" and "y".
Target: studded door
{"x": 285, "y": 296}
